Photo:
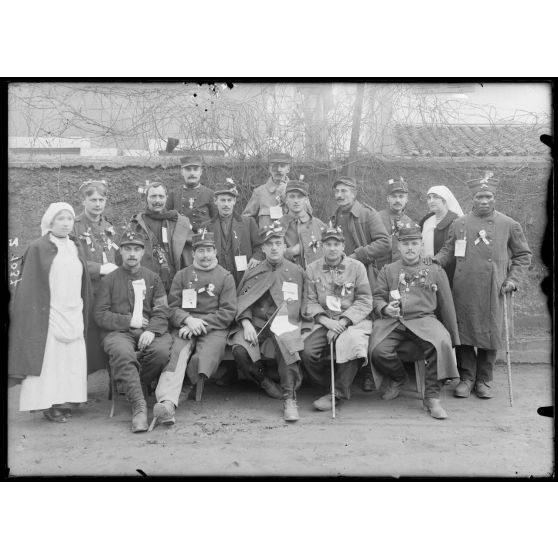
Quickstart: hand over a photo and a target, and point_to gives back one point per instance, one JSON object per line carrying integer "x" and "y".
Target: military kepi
{"x": 229, "y": 189}
{"x": 281, "y": 158}
{"x": 132, "y": 237}
{"x": 203, "y": 238}
{"x": 486, "y": 184}
{"x": 271, "y": 231}
{"x": 409, "y": 232}
{"x": 191, "y": 160}
{"x": 397, "y": 185}
{"x": 346, "y": 180}
{"x": 333, "y": 232}
{"x": 297, "y": 186}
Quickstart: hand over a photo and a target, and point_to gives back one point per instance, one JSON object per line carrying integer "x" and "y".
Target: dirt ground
{"x": 238, "y": 431}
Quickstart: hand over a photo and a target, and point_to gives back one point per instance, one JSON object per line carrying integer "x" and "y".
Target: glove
{"x": 507, "y": 287}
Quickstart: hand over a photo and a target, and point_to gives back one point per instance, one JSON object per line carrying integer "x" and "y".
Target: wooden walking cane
{"x": 508, "y": 356}
{"x": 332, "y": 380}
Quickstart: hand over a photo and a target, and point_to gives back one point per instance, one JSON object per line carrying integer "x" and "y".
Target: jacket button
{"x": 489, "y": 259}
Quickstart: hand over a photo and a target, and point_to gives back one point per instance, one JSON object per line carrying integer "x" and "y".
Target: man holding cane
{"x": 340, "y": 302}
{"x": 490, "y": 253}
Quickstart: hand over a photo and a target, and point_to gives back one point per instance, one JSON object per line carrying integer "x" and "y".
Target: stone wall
{"x": 523, "y": 182}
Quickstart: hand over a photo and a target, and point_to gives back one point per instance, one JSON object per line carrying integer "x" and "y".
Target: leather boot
{"x": 368, "y": 383}
{"x": 324, "y": 403}
{"x": 290, "y": 410}
{"x": 483, "y": 390}
{"x": 271, "y": 388}
{"x": 164, "y": 412}
{"x": 139, "y": 416}
{"x": 434, "y": 406}
{"x": 394, "y": 389}
{"x": 463, "y": 389}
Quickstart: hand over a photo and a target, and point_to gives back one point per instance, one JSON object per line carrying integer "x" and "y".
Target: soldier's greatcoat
{"x": 263, "y": 278}
{"x": 194, "y": 203}
{"x": 426, "y": 309}
{"x": 347, "y": 283}
{"x": 393, "y": 223}
{"x": 308, "y": 234}
{"x": 479, "y": 275}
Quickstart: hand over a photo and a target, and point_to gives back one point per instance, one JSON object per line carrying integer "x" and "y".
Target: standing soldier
{"x": 131, "y": 310}
{"x": 202, "y": 301}
{"x": 394, "y": 218}
{"x": 97, "y": 237}
{"x": 168, "y": 235}
{"x": 340, "y": 302}
{"x": 266, "y": 203}
{"x": 273, "y": 289}
{"x": 193, "y": 199}
{"x": 490, "y": 253}
{"x": 237, "y": 240}
{"x": 366, "y": 238}
{"x": 303, "y": 232}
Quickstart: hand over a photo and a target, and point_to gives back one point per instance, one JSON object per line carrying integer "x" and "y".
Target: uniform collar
{"x": 339, "y": 267}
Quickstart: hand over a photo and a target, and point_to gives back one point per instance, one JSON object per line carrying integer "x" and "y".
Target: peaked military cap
{"x": 346, "y": 180}
{"x": 409, "y": 232}
{"x": 486, "y": 184}
{"x": 129, "y": 236}
{"x": 203, "y": 238}
{"x": 273, "y": 230}
{"x": 333, "y": 232}
{"x": 282, "y": 158}
{"x": 227, "y": 188}
{"x": 297, "y": 186}
{"x": 397, "y": 185}
{"x": 191, "y": 160}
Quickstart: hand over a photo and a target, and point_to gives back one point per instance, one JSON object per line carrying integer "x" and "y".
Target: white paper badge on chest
{"x": 290, "y": 291}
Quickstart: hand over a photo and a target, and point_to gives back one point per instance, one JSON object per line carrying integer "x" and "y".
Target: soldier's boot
{"x": 463, "y": 389}
{"x": 290, "y": 410}
{"x": 139, "y": 416}
{"x": 394, "y": 388}
{"x": 434, "y": 407}
{"x": 164, "y": 412}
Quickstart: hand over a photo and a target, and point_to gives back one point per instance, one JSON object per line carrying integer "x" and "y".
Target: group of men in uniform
{"x": 192, "y": 276}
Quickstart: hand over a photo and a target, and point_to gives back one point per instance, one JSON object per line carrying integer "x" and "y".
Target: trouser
{"x": 479, "y": 366}
{"x": 319, "y": 373}
{"x": 388, "y": 362}
{"x": 209, "y": 352}
{"x": 171, "y": 379}
{"x": 125, "y": 366}
{"x": 290, "y": 376}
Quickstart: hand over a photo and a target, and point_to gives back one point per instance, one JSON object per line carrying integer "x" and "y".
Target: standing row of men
{"x": 287, "y": 287}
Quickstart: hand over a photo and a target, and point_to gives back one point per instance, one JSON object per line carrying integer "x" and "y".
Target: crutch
{"x": 332, "y": 380}
{"x": 508, "y": 356}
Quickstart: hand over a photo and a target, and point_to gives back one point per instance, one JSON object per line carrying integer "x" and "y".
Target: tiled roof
{"x": 470, "y": 141}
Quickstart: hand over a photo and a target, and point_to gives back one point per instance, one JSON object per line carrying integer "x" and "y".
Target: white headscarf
{"x": 430, "y": 224}
{"x": 445, "y": 193}
{"x": 53, "y": 210}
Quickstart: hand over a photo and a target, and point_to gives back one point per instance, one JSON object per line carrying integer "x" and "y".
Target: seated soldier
{"x": 202, "y": 301}
{"x": 132, "y": 312}
{"x": 271, "y": 299}
{"x": 237, "y": 239}
{"x": 408, "y": 298}
{"x": 340, "y": 302}
{"x": 303, "y": 232}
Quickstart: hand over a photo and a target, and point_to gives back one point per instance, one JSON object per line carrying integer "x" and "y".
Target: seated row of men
{"x": 279, "y": 311}
{"x": 248, "y": 254}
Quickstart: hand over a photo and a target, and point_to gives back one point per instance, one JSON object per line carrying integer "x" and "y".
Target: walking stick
{"x": 508, "y": 356}
{"x": 332, "y": 380}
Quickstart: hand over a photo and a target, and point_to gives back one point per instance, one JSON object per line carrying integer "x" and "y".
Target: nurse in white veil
{"x": 444, "y": 207}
